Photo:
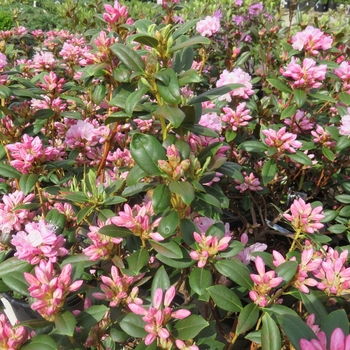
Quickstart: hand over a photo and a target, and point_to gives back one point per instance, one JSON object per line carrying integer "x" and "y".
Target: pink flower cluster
{"x": 12, "y": 218}
{"x": 3, "y": 61}
{"x": 306, "y": 76}
{"x": 208, "y": 26}
{"x": 250, "y": 183}
{"x": 116, "y": 15}
{"x": 311, "y": 39}
{"x": 11, "y": 338}
{"x": 102, "y": 246}
{"x": 344, "y": 128}
{"x": 30, "y": 153}
{"x": 116, "y": 289}
{"x": 158, "y": 315}
{"x": 343, "y": 72}
{"x": 138, "y": 220}
{"x": 237, "y": 118}
{"x": 338, "y": 341}
{"x": 50, "y": 288}
{"x": 283, "y": 141}
{"x": 299, "y": 123}
{"x": 237, "y": 76}
{"x": 39, "y": 242}
{"x": 304, "y": 218}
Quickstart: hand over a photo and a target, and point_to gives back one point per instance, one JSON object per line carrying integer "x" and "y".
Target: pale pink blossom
{"x": 116, "y": 14}
{"x": 39, "y": 242}
{"x": 237, "y": 76}
{"x": 208, "y": 26}
{"x": 306, "y": 76}
{"x": 50, "y": 288}
{"x": 282, "y": 140}
{"x": 246, "y": 255}
{"x": 311, "y": 39}
{"x": 323, "y": 137}
{"x": 44, "y": 60}
{"x": 237, "y": 118}
{"x": 304, "y": 218}
{"x": 343, "y": 72}
{"x": 11, "y": 338}
{"x": 211, "y": 121}
{"x": 159, "y": 314}
{"x": 250, "y": 183}
{"x": 3, "y": 60}
{"x": 181, "y": 345}
{"x": 344, "y": 128}
{"x": 299, "y": 123}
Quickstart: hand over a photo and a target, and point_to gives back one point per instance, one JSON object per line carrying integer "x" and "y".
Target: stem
{"x": 41, "y": 200}
{"x": 295, "y": 239}
{"x": 232, "y": 341}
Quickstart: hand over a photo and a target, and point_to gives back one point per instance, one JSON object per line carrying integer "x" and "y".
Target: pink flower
{"x": 236, "y": 118}
{"x": 299, "y": 123}
{"x": 304, "y": 218}
{"x": 305, "y": 77}
{"x": 338, "y": 341}
{"x": 116, "y": 14}
{"x": 255, "y": 9}
{"x": 250, "y": 183}
{"x": 159, "y": 314}
{"x": 237, "y": 76}
{"x": 208, "y": 26}
{"x": 138, "y": 220}
{"x": 282, "y": 140}
{"x": 11, "y": 338}
{"x": 344, "y": 128}
{"x": 39, "y": 242}
{"x": 12, "y": 218}
{"x": 50, "y": 288}
{"x": 116, "y": 289}
{"x": 246, "y": 254}
{"x": 3, "y": 60}
{"x": 211, "y": 121}
{"x": 343, "y": 72}
{"x": 323, "y": 137}
{"x": 183, "y": 346}
{"x": 44, "y": 60}
{"x": 311, "y": 40}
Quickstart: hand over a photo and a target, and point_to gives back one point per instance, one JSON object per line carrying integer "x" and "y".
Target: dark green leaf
{"x": 225, "y": 298}
{"x": 183, "y": 263}
{"x": 133, "y": 99}
{"x": 12, "y": 265}
{"x": 337, "y": 228}
{"x": 328, "y": 153}
{"x": 322, "y": 97}
{"x": 299, "y": 97}
{"x": 144, "y": 39}
{"x": 27, "y": 182}
{"x": 189, "y": 327}
{"x": 174, "y": 114}
{"x": 115, "y": 231}
{"x": 16, "y": 282}
{"x": 247, "y": 318}
{"x": 191, "y": 42}
{"x": 330, "y": 215}
{"x": 8, "y": 171}
{"x": 161, "y": 199}
{"x": 184, "y": 189}
{"x": 336, "y": 319}
{"x": 314, "y": 306}
{"x": 44, "y": 114}
{"x": 343, "y": 198}
{"x": 344, "y": 97}
{"x": 200, "y": 279}
{"x": 287, "y": 270}
{"x": 270, "y": 334}
{"x": 91, "y": 316}
{"x": 253, "y": 146}
{"x": 65, "y": 323}
{"x": 269, "y": 171}
{"x": 301, "y": 158}
{"x": 342, "y": 143}
{"x": 138, "y": 260}
{"x": 279, "y": 85}
{"x": 160, "y": 280}
{"x": 42, "y": 342}
{"x": 168, "y": 249}
{"x": 168, "y": 224}
{"x": 133, "y": 325}
{"x": 129, "y": 57}
{"x": 288, "y": 112}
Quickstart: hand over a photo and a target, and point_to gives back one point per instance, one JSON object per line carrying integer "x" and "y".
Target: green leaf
{"x": 343, "y": 198}
{"x": 236, "y": 271}
{"x": 191, "y": 42}
{"x": 8, "y": 171}
{"x": 65, "y": 323}
{"x": 253, "y": 146}
{"x": 189, "y": 327}
{"x": 168, "y": 86}
{"x": 337, "y": 229}
{"x": 5, "y": 92}
{"x": 301, "y": 158}
{"x": 133, "y": 325}
{"x": 336, "y": 319}
{"x": 184, "y": 189}
{"x": 91, "y": 316}
{"x": 174, "y": 114}
{"x": 143, "y": 39}
{"x": 342, "y": 143}
{"x": 138, "y": 260}
{"x": 314, "y": 306}
{"x": 299, "y": 97}
{"x": 42, "y": 342}
{"x": 330, "y": 215}
{"x": 27, "y": 182}
{"x": 115, "y": 231}
{"x": 200, "y": 279}
{"x": 133, "y": 99}
{"x": 247, "y": 318}
{"x": 188, "y": 77}
{"x": 129, "y": 57}
{"x": 199, "y": 129}
{"x": 168, "y": 249}
{"x": 345, "y": 211}
{"x": 287, "y": 270}
{"x": 225, "y": 298}
{"x": 328, "y": 153}
{"x": 161, "y": 198}
{"x": 160, "y": 280}
{"x": 84, "y": 213}
{"x": 169, "y": 223}
{"x": 187, "y": 228}
{"x": 214, "y": 93}
{"x": 269, "y": 171}
{"x": 295, "y": 329}
{"x": 44, "y": 114}
{"x": 322, "y": 97}
{"x": 16, "y": 282}
{"x": 183, "y": 263}
{"x": 270, "y": 334}
{"x": 280, "y": 86}
{"x": 13, "y": 265}
{"x": 99, "y": 93}
{"x": 344, "y": 97}
{"x": 147, "y": 150}
{"x": 277, "y": 309}
{"x": 288, "y": 112}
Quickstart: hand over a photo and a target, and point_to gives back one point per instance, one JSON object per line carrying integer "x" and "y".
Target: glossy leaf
{"x": 44, "y": 114}
{"x": 270, "y": 334}
{"x": 269, "y": 171}
{"x": 16, "y": 282}
{"x": 174, "y": 114}
{"x": 314, "y": 306}
{"x": 12, "y": 265}
{"x": 138, "y": 260}
{"x": 343, "y": 198}
{"x": 99, "y": 93}
{"x": 253, "y": 146}
{"x": 27, "y": 182}
{"x": 91, "y": 316}
{"x": 328, "y": 153}
{"x": 161, "y": 198}
{"x": 184, "y": 189}
{"x": 247, "y": 318}
{"x": 299, "y": 97}
{"x": 279, "y": 85}
{"x": 322, "y": 97}
{"x": 65, "y": 323}
{"x": 5, "y": 92}
{"x": 144, "y": 40}
{"x": 169, "y": 223}
{"x": 188, "y": 77}
{"x": 288, "y": 112}
{"x": 187, "y": 228}
{"x": 160, "y": 280}
{"x": 146, "y": 150}
{"x": 168, "y": 249}
{"x": 133, "y": 325}
{"x": 225, "y": 298}
{"x": 344, "y": 97}
{"x": 133, "y": 99}
{"x": 189, "y": 327}
{"x": 42, "y": 342}
{"x": 301, "y": 158}
{"x": 336, "y": 319}
{"x": 8, "y": 171}
{"x": 287, "y": 270}
{"x": 342, "y": 143}
{"x": 114, "y": 231}
{"x": 330, "y": 215}
{"x": 200, "y": 279}
{"x": 236, "y": 271}
{"x": 191, "y": 42}
{"x": 183, "y": 263}
{"x": 168, "y": 86}
{"x": 129, "y": 57}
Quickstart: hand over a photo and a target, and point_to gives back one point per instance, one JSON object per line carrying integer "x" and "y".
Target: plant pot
{"x": 285, "y": 4}
{"x": 305, "y": 5}
{"x": 332, "y": 5}
{"x": 321, "y": 7}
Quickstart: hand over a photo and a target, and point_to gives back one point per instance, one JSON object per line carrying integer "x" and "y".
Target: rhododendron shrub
{"x": 177, "y": 186}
